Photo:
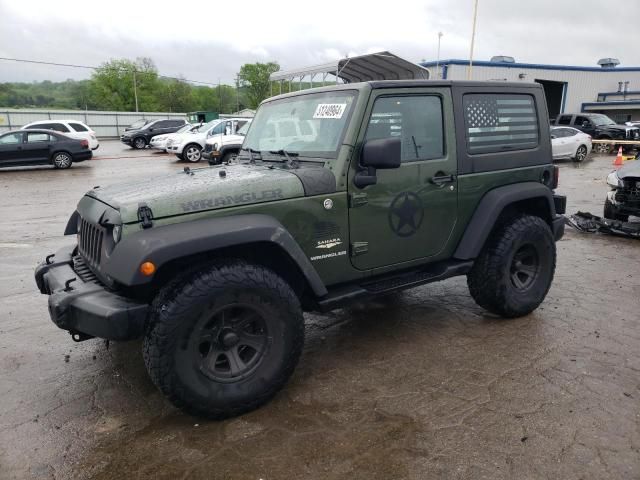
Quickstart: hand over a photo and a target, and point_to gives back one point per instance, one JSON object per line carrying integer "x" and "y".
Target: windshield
{"x": 138, "y": 124}
{"x": 600, "y": 120}
{"x": 243, "y": 129}
{"x": 186, "y": 128}
{"x": 206, "y": 126}
{"x": 310, "y": 125}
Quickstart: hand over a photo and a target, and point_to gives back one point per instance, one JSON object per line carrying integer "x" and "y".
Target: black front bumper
{"x": 87, "y": 307}
{"x": 126, "y": 140}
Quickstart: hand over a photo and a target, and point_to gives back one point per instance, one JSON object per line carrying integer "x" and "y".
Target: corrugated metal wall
{"x": 582, "y": 86}
{"x": 105, "y": 124}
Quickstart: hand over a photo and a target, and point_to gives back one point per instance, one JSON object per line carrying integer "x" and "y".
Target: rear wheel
{"x": 611, "y": 212}
{"x": 602, "y": 148}
{"x": 62, "y": 160}
{"x": 581, "y": 153}
{"x": 139, "y": 143}
{"x": 223, "y": 341}
{"x": 192, "y": 153}
{"x": 513, "y": 273}
{"x": 227, "y": 157}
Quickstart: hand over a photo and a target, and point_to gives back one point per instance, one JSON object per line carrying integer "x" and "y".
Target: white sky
{"x": 210, "y": 40}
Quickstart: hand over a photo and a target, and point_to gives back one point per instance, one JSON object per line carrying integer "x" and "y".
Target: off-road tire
{"x": 611, "y": 212}
{"x": 491, "y": 281}
{"x": 188, "y": 153}
{"x": 227, "y": 157}
{"x": 139, "y": 143}
{"x": 178, "y": 316}
{"x": 61, "y": 160}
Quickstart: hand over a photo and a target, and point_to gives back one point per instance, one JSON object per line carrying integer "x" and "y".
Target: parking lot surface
{"x": 422, "y": 384}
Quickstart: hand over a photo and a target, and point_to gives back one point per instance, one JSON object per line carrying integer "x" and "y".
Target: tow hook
{"x": 80, "y": 337}
{"x": 67, "y": 284}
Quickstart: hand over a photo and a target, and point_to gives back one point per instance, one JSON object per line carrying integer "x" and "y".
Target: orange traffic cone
{"x": 618, "y": 162}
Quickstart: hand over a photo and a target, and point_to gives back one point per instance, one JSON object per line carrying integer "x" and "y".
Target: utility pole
{"x": 219, "y": 97}
{"x": 135, "y": 88}
{"x": 438, "y": 59}
{"x": 237, "y": 93}
{"x": 473, "y": 37}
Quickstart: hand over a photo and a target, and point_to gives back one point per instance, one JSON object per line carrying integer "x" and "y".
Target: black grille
{"x": 629, "y": 194}
{"x": 83, "y": 271}
{"x": 208, "y": 147}
{"x": 90, "y": 242}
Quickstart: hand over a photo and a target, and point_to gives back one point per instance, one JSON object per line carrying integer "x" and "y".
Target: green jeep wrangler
{"x": 339, "y": 194}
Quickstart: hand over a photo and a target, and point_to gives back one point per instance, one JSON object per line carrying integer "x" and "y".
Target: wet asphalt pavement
{"x": 423, "y": 384}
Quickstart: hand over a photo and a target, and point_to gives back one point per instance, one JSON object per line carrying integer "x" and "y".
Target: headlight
{"x": 613, "y": 180}
{"x": 116, "y": 232}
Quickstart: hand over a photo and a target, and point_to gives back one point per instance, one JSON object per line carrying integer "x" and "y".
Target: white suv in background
{"x": 71, "y": 128}
{"x": 222, "y": 148}
{"x": 188, "y": 146}
{"x": 159, "y": 142}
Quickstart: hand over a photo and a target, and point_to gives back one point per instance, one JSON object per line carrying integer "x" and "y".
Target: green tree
{"x": 175, "y": 96}
{"x": 254, "y": 77}
{"x": 112, "y": 85}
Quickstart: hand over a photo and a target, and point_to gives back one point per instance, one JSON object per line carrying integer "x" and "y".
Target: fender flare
{"x": 163, "y": 244}
{"x": 226, "y": 148}
{"x": 490, "y": 208}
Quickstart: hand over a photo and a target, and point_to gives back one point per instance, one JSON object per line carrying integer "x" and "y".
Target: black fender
{"x": 229, "y": 148}
{"x": 72, "y": 224}
{"x": 490, "y": 208}
{"x": 163, "y": 244}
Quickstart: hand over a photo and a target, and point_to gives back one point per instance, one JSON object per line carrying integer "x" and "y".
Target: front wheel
{"x": 513, "y": 273}
{"x": 602, "y": 148}
{"x": 192, "y": 153}
{"x": 224, "y": 340}
{"x": 62, "y": 160}
{"x": 581, "y": 153}
{"x": 139, "y": 143}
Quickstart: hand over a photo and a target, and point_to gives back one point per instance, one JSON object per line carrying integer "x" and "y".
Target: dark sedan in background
{"x": 35, "y": 147}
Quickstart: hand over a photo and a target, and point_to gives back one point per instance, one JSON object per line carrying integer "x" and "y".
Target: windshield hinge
{"x": 359, "y": 248}
{"x": 357, "y": 199}
{"x": 145, "y": 215}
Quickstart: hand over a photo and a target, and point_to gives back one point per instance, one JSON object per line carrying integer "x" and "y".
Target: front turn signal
{"x": 147, "y": 269}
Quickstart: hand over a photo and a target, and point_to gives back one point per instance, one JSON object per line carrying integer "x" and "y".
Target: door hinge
{"x": 359, "y": 248}
{"x": 357, "y": 199}
{"x": 145, "y": 215}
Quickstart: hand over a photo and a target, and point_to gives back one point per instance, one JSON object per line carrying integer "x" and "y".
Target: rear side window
{"x": 11, "y": 139}
{"x": 58, "y": 127}
{"x": 500, "y": 122}
{"x": 78, "y": 127}
{"x": 564, "y": 120}
{"x": 34, "y": 137}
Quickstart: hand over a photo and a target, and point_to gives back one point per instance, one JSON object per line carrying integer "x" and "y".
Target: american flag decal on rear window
{"x": 497, "y": 123}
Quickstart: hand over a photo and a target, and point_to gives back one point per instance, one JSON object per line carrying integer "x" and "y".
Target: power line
{"x": 88, "y": 67}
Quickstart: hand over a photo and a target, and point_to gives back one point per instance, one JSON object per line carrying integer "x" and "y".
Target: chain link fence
{"x": 105, "y": 124}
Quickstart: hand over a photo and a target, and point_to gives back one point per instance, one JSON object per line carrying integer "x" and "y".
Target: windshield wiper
{"x": 251, "y": 152}
{"x": 291, "y": 163}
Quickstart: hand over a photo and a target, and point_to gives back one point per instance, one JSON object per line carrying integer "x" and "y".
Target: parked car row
{"x": 599, "y": 127}
{"x": 188, "y": 146}
{"x": 33, "y": 146}
{"x": 139, "y": 138}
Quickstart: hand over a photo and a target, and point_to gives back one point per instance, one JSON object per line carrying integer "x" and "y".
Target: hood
{"x": 200, "y": 190}
{"x": 629, "y": 170}
{"x": 623, "y": 128}
{"x": 133, "y": 131}
{"x": 225, "y": 139}
{"x": 188, "y": 136}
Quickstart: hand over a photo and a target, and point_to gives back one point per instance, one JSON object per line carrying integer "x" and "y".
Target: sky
{"x": 210, "y": 40}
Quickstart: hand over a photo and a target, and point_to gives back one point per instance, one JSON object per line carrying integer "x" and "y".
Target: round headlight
{"x": 116, "y": 232}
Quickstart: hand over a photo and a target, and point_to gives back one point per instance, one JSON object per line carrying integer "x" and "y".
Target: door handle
{"x": 440, "y": 179}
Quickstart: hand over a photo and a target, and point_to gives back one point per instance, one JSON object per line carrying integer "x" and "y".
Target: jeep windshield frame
{"x": 305, "y": 125}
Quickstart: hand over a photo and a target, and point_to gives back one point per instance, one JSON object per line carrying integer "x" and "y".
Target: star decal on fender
{"x": 405, "y": 214}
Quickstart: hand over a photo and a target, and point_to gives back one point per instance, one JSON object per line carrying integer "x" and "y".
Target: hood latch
{"x": 145, "y": 215}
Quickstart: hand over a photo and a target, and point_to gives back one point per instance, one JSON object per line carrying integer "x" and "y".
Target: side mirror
{"x": 585, "y": 124}
{"x": 553, "y": 137}
{"x": 151, "y": 129}
{"x": 381, "y": 153}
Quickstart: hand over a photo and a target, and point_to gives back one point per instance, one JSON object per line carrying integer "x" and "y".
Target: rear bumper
{"x": 560, "y": 204}
{"x": 82, "y": 156}
{"x": 558, "y": 227}
{"x": 87, "y": 307}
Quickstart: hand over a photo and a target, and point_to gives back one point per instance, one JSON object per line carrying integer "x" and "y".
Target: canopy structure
{"x": 373, "y": 66}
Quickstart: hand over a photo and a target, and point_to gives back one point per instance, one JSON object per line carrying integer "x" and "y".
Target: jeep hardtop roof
{"x": 378, "y": 84}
